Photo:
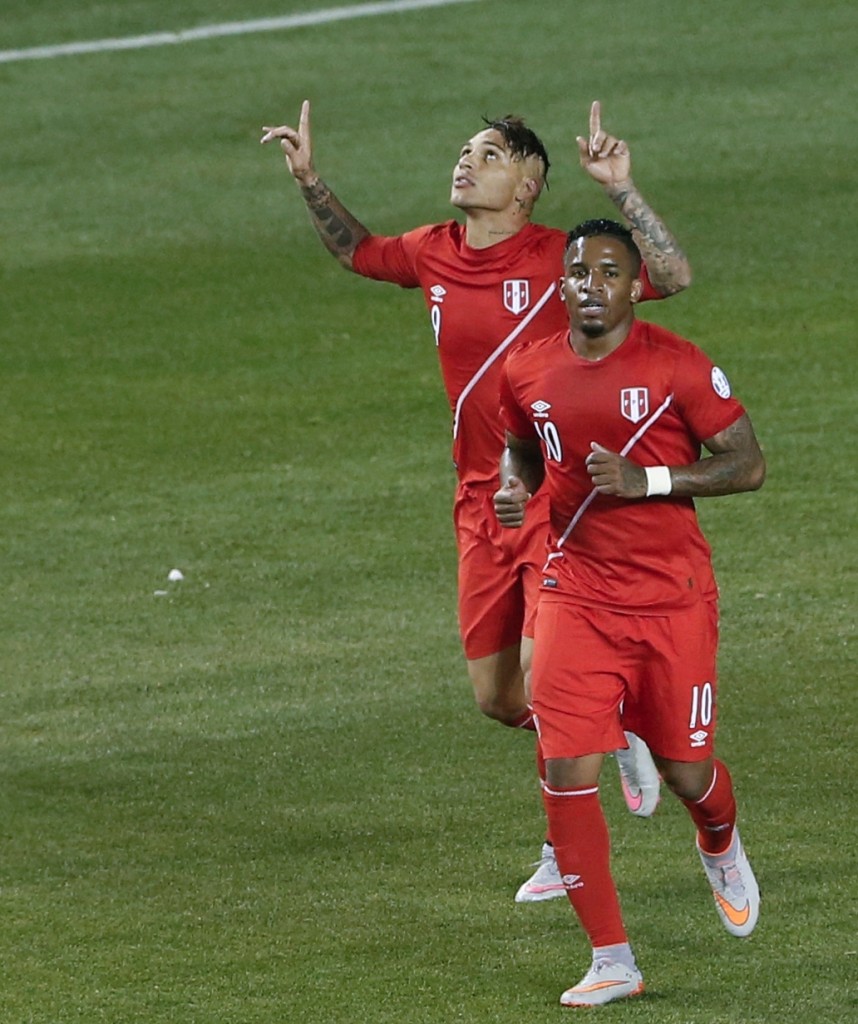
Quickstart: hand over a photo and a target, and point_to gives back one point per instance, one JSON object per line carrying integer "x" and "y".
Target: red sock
{"x": 583, "y": 850}
{"x": 714, "y": 813}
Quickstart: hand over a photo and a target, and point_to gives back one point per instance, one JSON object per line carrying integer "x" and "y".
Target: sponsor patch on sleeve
{"x": 720, "y": 383}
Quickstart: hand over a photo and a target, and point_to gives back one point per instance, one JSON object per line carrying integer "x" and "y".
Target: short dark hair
{"x": 601, "y": 226}
{"x": 521, "y": 140}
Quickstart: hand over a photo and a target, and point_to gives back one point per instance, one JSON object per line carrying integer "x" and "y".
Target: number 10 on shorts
{"x": 701, "y": 706}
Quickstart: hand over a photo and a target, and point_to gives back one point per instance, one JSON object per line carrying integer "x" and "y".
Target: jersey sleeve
{"x": 649, "y": 293}
{"x": 704, "y": 395}
{"x": 512, "y": 416}
{"x": 392, "y": 259}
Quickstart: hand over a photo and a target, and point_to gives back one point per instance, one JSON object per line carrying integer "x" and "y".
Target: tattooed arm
{"x": 339, "y": 231}
{"x": 735, "y": 465}
{"x": 606, "y": 159}
{"x": 666, "y": 263}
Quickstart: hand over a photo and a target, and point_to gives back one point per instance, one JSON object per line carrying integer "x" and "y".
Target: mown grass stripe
{"x": 230, "y": 28}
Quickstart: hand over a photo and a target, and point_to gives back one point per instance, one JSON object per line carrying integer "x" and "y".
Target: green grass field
{"x": 265, "y": 794}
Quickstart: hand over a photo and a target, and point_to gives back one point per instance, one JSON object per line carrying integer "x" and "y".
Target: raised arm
{"x": 736, "y": 464}
{"x": 338, "y": 229}
{"x": 607, "y": 160}
{"x": 522, "y": 471}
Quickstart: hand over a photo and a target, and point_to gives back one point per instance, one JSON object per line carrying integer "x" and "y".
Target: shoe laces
{"x": 601, "y": 964}
{"x": 604, "y": 963}
{"x": 733, "y": 878}
{"x": 730, "y": 878}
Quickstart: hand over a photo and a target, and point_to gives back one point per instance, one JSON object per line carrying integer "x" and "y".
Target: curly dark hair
{"x": 602, "y": 226}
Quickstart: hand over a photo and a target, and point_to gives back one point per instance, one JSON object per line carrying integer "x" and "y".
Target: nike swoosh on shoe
{"x": 633, "y": 801}
{"x": 735, "y": 916}
{"x": 598, "y": 987}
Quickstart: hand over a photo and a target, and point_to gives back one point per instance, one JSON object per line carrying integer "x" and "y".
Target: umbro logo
{"x": 698, "y": 739}
{"x": 540, "y": 408}
{"x": 572, "y": 882}
{"x": 437, "y": 291}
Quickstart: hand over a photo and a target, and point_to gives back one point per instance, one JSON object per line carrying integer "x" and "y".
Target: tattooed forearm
{"x": 334, "y": 229}
{"x": 736, "y": 464}
{"x": 339, "y": 231}
{"x": 316, "y": 195}
{"x": 667, "y": 264}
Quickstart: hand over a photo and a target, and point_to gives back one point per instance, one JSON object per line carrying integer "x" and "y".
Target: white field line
{"x": 231, "y": 28}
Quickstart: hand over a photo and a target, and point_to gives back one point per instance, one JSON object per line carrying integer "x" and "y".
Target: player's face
{"x": 486, "y": 176}
{"x": 600, "y": 284}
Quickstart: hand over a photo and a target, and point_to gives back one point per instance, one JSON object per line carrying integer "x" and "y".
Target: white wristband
{"x": 657, "y": 480}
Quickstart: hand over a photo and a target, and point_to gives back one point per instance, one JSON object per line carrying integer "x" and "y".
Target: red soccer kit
{"x": 482, "y": 303}
{"x": 628, "y": 595}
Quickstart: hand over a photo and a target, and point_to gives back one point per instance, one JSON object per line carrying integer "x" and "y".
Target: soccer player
{"x": 490, "y": 284}
{"x": 606, "y": 419}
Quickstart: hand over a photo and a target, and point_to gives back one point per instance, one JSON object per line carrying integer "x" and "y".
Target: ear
{"x": 637, "y": 290}
{"x": 531, "y": 189}
{"x": 562, "y": 287}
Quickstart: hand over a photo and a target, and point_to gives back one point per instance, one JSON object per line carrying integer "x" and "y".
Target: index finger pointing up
{"x": 595, "y": 118}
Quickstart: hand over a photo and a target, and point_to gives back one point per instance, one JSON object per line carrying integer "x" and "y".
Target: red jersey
{"x": 654, "y": 399}
{"x": 482, "y": 303}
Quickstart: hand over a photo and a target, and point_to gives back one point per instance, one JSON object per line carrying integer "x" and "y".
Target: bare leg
{"x": 498, "y": 684}
{"x": 689, "y": 780}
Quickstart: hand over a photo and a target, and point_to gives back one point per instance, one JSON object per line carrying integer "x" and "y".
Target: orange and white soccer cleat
{"x": 603, "y": 983}
{"x": 734, "y": 887}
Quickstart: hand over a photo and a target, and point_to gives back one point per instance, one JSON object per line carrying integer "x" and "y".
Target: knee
{"x": 687, "y": 780}
{"x": 499, "y": 710}
{"x": 498, "y": 686}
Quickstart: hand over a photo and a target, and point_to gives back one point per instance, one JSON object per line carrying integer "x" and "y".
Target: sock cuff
{"x": 564, "y": 791}
{"x": 712, "y": 784}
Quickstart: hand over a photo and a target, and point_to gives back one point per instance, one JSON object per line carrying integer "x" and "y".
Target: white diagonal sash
{"x": 498, "y": 352}
{"x": 632, "y": 441}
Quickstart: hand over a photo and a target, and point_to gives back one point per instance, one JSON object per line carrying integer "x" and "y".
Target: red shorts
{"x": 597, "y": 672}
{"x": 500, "y": 570}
